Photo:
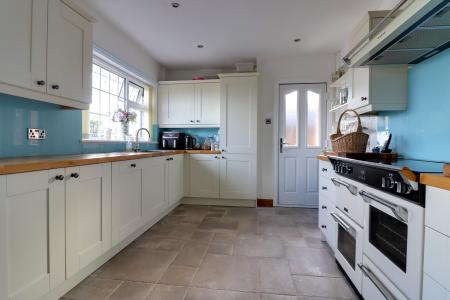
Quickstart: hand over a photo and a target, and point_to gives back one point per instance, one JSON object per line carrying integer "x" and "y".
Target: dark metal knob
{"x": 216, "y": 157}
{"x": 324, "y": 226}
{"x": 133, "y": 165}
{"x": 40, "y": 82}
{"x": 324, "y": 170}
{"x": 223, "y": 157}
{"x": 198, "y": 121}
{"x": 74, "y": 175}
{"x": 59, "y": 177}
{"x": 363, "y": 98}
{"x": 324, "y": 207}
{"x": 324, "y": 188}
{"x": 192, "y": 121}
{"x": 223, "y": 150}
{"x": 55, "y": 87}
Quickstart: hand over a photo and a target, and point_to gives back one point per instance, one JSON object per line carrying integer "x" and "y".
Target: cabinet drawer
{"x": 327, "y": 188}
{"x": 437, "y": 257}
{"x": 437, "y": 210}
{"x": 433, "y": 290}
{"x": 326, "y": 224}
{"x": 325, "y": 168}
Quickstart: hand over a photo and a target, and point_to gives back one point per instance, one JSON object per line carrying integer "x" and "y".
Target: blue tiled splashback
{"x": 63, "y": 126}
{"x": 423, "y": 131}
{"x": 198, "y": 133}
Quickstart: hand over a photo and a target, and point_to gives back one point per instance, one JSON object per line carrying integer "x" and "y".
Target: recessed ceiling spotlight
{"x": 175, "y": 4}
{"x": 297, "y": 40}
{"x": 200, "y": 46}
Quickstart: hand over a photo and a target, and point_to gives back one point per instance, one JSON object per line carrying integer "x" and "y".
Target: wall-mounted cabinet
{"x": 185, "y": 104}
{"x": 47, "y": 52}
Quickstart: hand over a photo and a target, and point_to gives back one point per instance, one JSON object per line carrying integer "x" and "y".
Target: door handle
{"x": 281, "y": 145}
{"x": 380, "y": 286}
{"x": 351, "y": 188}
{"x": 344, "y": 225}
{"x": 399, "y": 212}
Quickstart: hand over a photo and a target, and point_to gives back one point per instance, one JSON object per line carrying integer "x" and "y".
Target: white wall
{"x": 108, "y": 37}
{"x": 188, "y": 74}
{"x": 295, "y": 69}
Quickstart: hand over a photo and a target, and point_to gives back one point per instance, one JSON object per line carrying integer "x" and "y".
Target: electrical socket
{"x": 36, "y": 134}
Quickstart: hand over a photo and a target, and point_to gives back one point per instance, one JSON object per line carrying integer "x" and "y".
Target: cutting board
{"x": 447, "y": 170}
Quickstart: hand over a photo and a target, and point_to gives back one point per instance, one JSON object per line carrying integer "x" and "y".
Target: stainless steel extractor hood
{"x": 416, "y": 33}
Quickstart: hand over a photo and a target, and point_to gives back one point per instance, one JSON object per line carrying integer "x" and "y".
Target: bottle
{"x": 129, "y": 145}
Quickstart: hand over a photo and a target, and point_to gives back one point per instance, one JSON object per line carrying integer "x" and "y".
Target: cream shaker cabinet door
{"x": 23, "y": 32}
{"x": 238, "y": 176}
{"x": 207, "y": 104}
{"x": 174, "y": 181}
{"x": 154, "y": 200}
{"x": 126, "y": 195}
{"x": 204, "y": 175}
{"x": 32, "y": 246}
{"x": 177, "y": 104}
{"x": 238, "y": 111}
{"x": 88, "y": 215}
{"x": 69, "y": 58}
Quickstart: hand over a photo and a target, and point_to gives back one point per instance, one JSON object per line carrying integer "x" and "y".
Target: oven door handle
{"x": 344, "y": 225}
{"x": 399, "y": 212}
{"x": 380, "y": 286}
{"x": 351, "y": 188}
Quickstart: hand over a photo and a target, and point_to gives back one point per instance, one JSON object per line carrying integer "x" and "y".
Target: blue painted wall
{"x": 423, "y": 131}
{"x": 64, "y": 129}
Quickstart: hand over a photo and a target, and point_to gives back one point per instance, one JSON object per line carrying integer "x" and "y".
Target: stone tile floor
{"x": 223, "y": 253}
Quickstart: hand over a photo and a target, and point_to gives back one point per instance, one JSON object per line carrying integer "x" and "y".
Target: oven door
{"x": 349, "y": 247}
{"x": 393, "y": 239}
{"x": 347, "y": 199}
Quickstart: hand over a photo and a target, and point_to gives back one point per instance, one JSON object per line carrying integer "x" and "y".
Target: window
{"x": 314, "y": 120}
{"x": 116, "y": 92}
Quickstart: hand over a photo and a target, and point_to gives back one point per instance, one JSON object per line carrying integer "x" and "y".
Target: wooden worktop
{"x": 435, "y": 180}
{"x": 38, "y": 163}
{"x": 322, "y": 157}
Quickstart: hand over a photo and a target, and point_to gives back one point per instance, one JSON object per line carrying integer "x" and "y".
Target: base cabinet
{"x": 175, "y": 184}
{"x": 88, "y": 215}
{"x": 204, "y": 172}
{"x": 154, "y": 187}
{"x": 238, "y": 176}
{"x": 32, "y": 233}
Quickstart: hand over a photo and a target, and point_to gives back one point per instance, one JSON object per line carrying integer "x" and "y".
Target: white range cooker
{"x": 380, "y": 225}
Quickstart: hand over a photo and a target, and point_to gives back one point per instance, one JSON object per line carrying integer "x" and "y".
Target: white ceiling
{"x": 234, "y": 30}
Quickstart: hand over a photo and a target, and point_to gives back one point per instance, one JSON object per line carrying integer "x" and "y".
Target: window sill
{"x": 90, "y": 141}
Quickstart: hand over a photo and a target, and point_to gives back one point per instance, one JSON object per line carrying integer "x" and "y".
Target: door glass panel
{"x": 291, "y": 117}
{"x": 313, "y": 117}
{"x": 347, "y": 246}
{"x": 389, "y": 236}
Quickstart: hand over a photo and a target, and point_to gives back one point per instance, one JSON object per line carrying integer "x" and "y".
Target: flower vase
{"x": 125, "y": 129}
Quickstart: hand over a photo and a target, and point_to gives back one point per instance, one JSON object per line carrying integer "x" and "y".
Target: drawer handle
{"x": 363, "y": 98}
{"x": 324, "y": 188}
{"x": 74, "y": 175}
{"x": 55, "y": 86}
{"x": 59, "y": 177}
{"x": 133, "y": 165}
{"x": 324, "y": 207}
{"x": 192, "y": 121}
{"x": 198, "y": 121}
{"x": 345, "y": 209}
{"x": 324, "y": 226}
{"x": 216, "y": 157}
{"x": 40, "y": 82}
{"x": 324, "y": 170}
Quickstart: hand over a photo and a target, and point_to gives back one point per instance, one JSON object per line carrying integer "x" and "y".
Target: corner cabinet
{"x": 47, "y": 51}
{"x": 186, "y": 104}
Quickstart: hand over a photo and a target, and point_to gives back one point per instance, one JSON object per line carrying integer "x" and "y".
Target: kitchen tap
{"x": 136, "y": 147}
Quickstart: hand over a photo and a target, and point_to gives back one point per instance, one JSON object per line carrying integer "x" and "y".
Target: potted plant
{"x": 124, "y": 117}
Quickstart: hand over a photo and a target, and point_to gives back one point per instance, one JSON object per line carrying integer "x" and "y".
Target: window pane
{"x": 104, "y": 80}
{"x": 95, "y": 105}
{"x": 96, "y": 77}
{"x": 314, "y": 128}
{"x": 291, "y": 117}
{"x": 135, "y": 93}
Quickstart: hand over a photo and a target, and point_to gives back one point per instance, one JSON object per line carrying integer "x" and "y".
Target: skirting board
{"x": 265, "y": 202}
{"x": 219, "y": 202}
{"x": 73, "y": 281}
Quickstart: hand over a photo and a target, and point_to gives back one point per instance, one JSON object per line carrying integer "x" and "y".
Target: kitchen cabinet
{"x": 175, "y": 184}
{"x": 238, "y": 176}
{"x": 238, "y": 113}
{"x": 88, "y": 215}
{"x": 189, "y": 104}
{"x": 127, "y": 214}
{"x": 154, "y": 187}
{"x": 204, "y": 175}
{"x": 32, "y": 234}
{"x": 48, "y": 56}
{"x": 327, "y": 204}
{"x": 379, "y": 88}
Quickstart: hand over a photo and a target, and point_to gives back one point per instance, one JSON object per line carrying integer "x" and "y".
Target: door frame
{"x": 276, "y": 125}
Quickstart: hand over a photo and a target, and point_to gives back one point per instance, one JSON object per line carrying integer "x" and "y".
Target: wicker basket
{"x": 355, "y": 142}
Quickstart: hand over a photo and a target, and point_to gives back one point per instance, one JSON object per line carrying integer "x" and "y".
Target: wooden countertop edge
{"x": 322, "y": 157}
{"x": 435, "y": 180}
{"x": 30, "y": 164}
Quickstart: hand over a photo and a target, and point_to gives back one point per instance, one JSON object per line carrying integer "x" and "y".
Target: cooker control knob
{"x": 349, "y": 170}
{"x": 401, "y": 187}
{"x": 388, "y": 182}
{"x": 344, "y": 170}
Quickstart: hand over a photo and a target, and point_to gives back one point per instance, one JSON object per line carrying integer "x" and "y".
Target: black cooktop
{"x": 415, "y": 165}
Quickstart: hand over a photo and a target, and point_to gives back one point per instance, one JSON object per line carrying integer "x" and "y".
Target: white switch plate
{"x": 36, "y": 134}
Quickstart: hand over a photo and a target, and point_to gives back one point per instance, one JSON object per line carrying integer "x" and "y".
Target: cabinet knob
{"x": 363, "y": 98}
{"x": 192, "y": 121}
{"x": 324, "y": 170}
{"x": 55, "y": 86}
{"x": 324, "y": 207}
{"x": 223, "y": 150}
{"x": 324, "y": 226}
{"x": 223, "y": 157}
{"x": 216, "y": 157}
{"x": 40, "y": 82}
{"x": 324, "y": 188}
{"x": 74, "y": 175}
{"x": 133, "y": 165}
{"x": 198, "y": 121}
{"x": 59, "y": 177}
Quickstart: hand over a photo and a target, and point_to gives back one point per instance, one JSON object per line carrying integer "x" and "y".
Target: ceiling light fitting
{"x": 175, "y": 4}
{"x": 297, "y": 40}
{"x": 200, "y": 46}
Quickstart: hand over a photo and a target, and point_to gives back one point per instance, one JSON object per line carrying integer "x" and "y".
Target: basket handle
{"x": 359, "y": 129}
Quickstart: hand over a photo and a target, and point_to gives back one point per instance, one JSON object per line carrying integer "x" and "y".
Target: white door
{"x": 88, "y": 211}
{"x": 126, "y": 199}
{"x": 238, "y": 113}
{"x": 177, "y": 104}
{"x": 69, "y": 58}
{"x": 175, "y": 183}
{"x": 207, "y": 104}
{"x": 302, "y": 127}
{"x": 238, "y": 176}
{"x": 204, "y": 175}
{"x": 23, "y": 32}
{"x": 154, "y": 200}
{"x": 32, "y": 225}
